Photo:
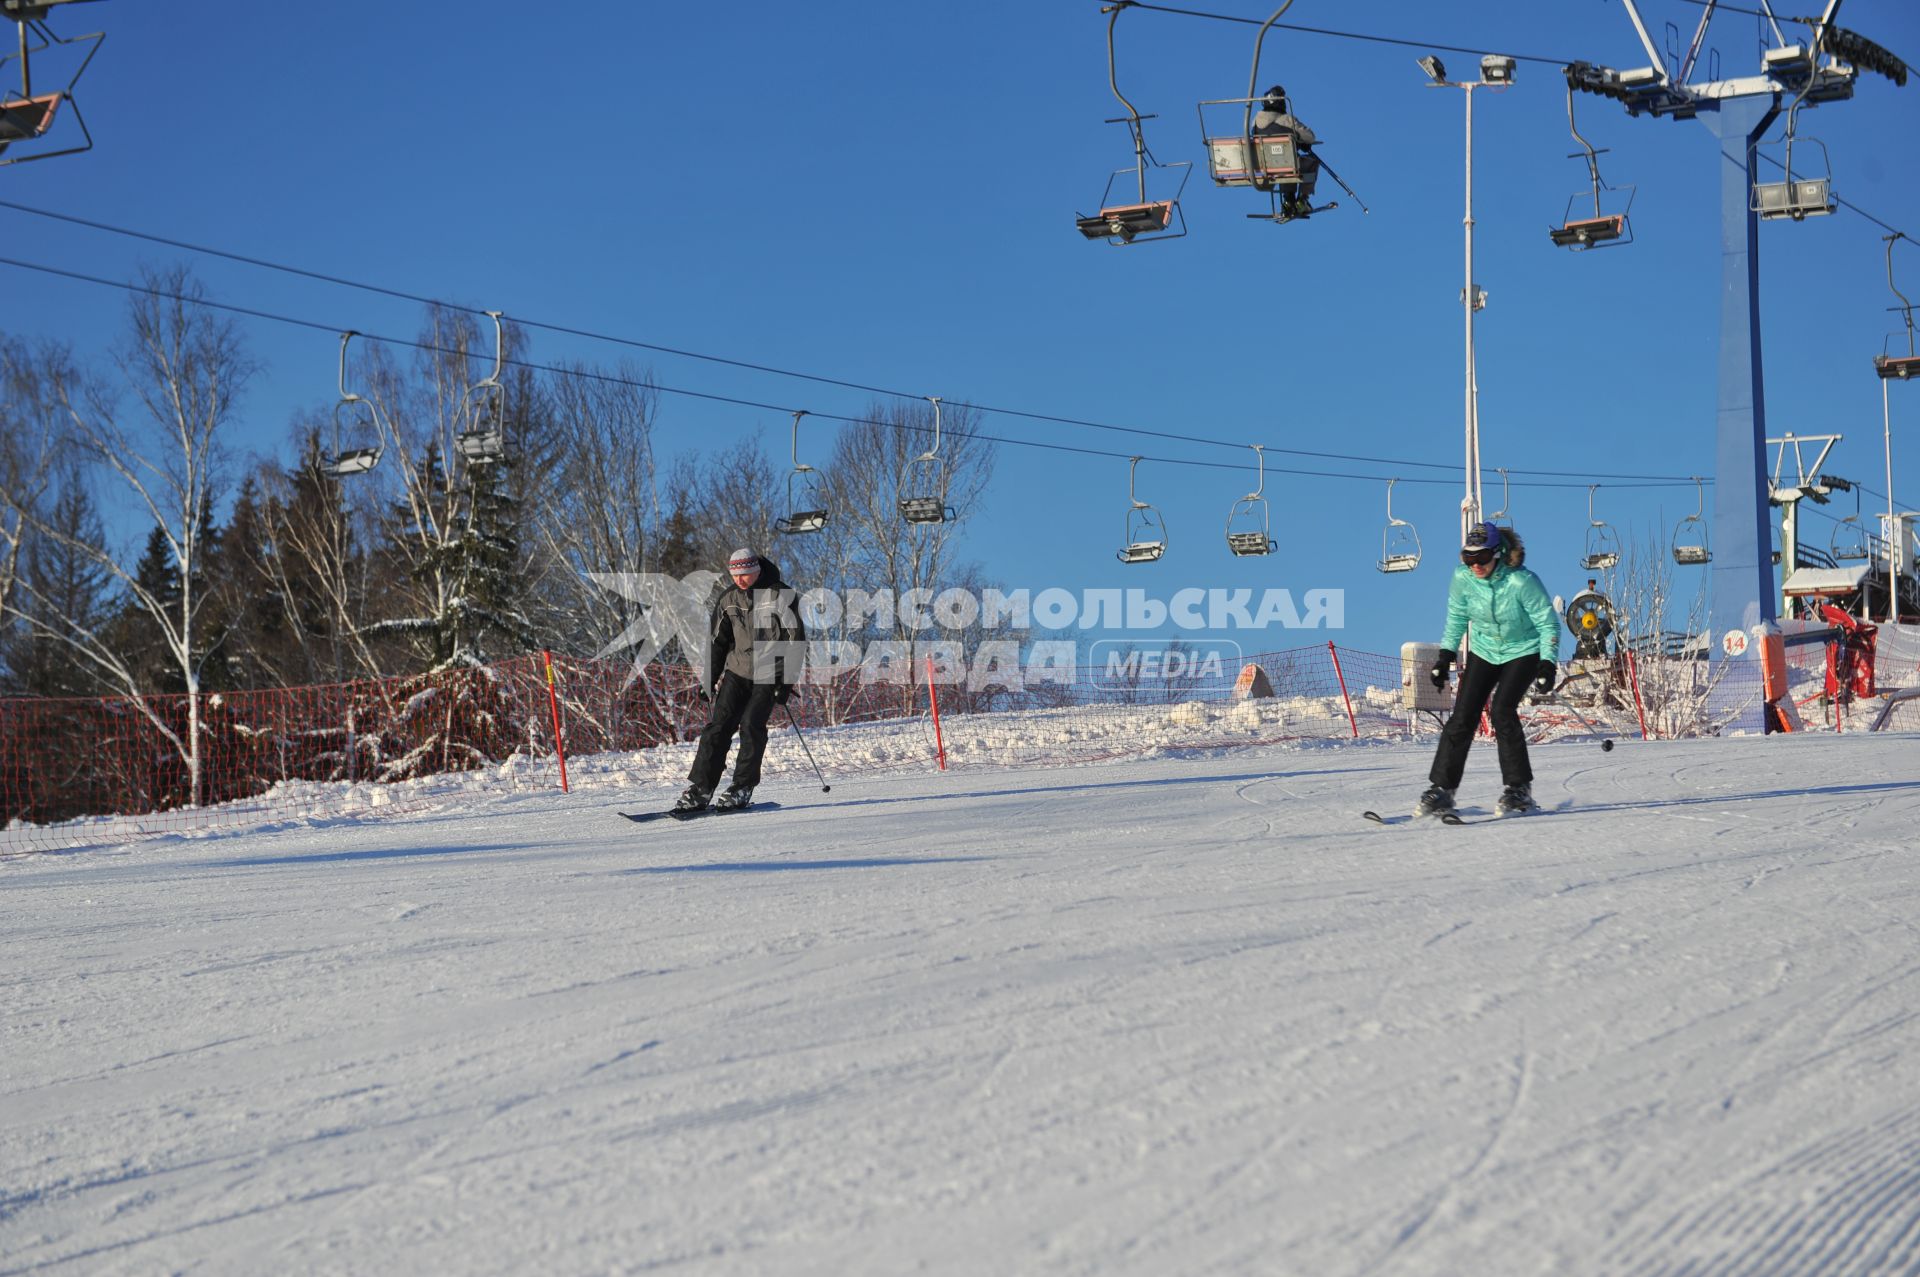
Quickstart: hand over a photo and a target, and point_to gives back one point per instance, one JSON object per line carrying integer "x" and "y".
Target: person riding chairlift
{"x": 1276, "y": 117}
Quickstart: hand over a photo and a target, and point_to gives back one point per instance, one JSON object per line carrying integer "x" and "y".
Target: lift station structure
{"x": 1738, "y": 112}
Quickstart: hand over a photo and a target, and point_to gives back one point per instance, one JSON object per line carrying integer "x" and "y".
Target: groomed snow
{"x": 1151, "y": 1017}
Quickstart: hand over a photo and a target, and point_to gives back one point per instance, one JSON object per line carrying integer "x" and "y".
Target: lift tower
{"x": 1738, "y": 112}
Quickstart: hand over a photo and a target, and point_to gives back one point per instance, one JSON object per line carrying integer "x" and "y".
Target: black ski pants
{"x": 1481, "y": 682}
{"x": 739, "y": 705}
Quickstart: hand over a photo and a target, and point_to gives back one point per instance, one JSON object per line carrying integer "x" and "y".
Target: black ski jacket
{"x": 756, "y": 633}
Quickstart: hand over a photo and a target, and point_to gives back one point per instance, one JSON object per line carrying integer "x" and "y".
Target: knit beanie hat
{"x": 742, "y": 562}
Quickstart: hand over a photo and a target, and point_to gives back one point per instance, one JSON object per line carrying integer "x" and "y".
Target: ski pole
{"x": 1343, "y": 186}
{"x": 825, "y": 788}
{"x": 1606, "y": 742}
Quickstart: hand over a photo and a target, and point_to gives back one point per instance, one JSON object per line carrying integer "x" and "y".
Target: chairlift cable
{"x": 1644, "y": 481}
{"x": 1367, "y": 38}
{"x": 1338, "y": 35}
{"x": 1170, "y": 436}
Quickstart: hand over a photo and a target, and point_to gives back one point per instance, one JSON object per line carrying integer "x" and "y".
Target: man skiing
{"x": 1513, "y": 641}
{"x": 756, "y": 649}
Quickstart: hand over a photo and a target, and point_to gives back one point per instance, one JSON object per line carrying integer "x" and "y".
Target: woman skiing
{"x": 1513, "y": 640}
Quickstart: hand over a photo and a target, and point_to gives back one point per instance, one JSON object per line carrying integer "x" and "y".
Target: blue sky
{"x": 883, "y": 193}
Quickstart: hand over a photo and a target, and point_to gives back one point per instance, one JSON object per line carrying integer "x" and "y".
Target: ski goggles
{"x": 1479, "y": 558}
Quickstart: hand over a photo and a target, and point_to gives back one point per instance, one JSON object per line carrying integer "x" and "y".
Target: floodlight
{"x": 1496, "y": 68}
{"x": 1435, "y": 68}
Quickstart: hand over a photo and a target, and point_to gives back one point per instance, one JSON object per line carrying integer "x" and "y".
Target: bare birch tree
{"x": 185, "y": 369}
{"x": 868, "y": 545}
{"x": 446, "y": 534}
{"x": 30, "y": 434}
{"x": 600, "y": 512}
{"x": 315, "y": 567}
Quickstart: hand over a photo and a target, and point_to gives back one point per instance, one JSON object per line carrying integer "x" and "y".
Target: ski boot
{"x": 734, "y": 798}
{"x": 1437, "y": 799}
{"x": 1516, "y": 800}
{"x": 695, "y": 799}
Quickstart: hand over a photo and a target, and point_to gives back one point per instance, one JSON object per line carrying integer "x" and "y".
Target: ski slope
{"x": 1151, "y": 1017}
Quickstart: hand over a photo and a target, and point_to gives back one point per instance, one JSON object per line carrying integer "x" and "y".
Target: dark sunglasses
{"x": 1478, "y": 558}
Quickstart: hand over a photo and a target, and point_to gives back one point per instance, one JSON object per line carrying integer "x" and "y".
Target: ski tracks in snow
{"x": 1445, "y": 1198}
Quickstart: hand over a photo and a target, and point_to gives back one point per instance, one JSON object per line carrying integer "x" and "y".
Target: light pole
{"x": 1496, "y": 72}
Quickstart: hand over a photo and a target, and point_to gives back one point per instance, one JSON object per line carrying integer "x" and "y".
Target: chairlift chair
{"x": 1848, "y": 543}
{"x": 1146, "y": 526}
{"x": 1797, "y": 198}
{"x": 29, "y": 117}
{"x": 23, "y": 119}
{"x": 484, "y": 441}
{"x": 1142, "y": 220}
{"x": 1501, "y": 513}
{"x": 1690, "y": 548}
{"x": 1603, "y": 546}
{"x": 1248, "y": 527}
{"x": 1400, "y": 543}
{"x": 1597, "y": 229}
{"x": 1272, "y": 161}
{"x": 354, "y": 418}
{"x": 1275, "y": 158}
{"x": 923, "y": 481}
{"x": 1887, "y": 364}
{"x": 806, "y": 501}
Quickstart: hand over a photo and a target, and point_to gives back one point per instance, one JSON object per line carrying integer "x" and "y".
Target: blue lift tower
{"x": 1739, "y": 112}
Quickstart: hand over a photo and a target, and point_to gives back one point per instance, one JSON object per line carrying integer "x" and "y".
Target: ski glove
{"x": 782, "y": 693}
{"x": 1544, "y": 677}
{"x": 1438, "y": 674}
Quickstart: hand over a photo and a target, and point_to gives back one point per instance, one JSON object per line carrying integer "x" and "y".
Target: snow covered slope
{"x": 1180, "y": 1016}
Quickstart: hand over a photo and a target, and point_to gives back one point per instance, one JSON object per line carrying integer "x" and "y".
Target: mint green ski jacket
{"x": 1505, "y": 617}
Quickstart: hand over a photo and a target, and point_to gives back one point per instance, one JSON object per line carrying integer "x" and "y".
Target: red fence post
{"x": 1351, "y": 720}
{"x": 933, "y": 699}
{"x": 553, "y": 703}
{"x": 1633, "y": 672}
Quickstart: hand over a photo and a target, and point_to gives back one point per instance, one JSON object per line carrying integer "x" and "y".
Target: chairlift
{"x": 1146, "y": 526}
{"x": 1276, "y": 159}
{"x": 1247, "y": 520}
{"x": 1580, "y": 229}
{"x": 923, "y": 480}
{"x": 1501, "y": 513}
{"x": 1690, "y": 547}
{"x": 1799, "y": 197}
{"x": 1400, "y": 543}
{"x": 1848, "y": 544}
{"x": 1143, "y": 220}
{"x": 1892, "y": 365}
{"x": 354, "y": 418}
{"x": 1849, "y": 541}
{"x": 1603, "y": 546}
{"x": 484, "y": 441}
{"x": 806, "y": 499}
{"x": 29, "y": 117}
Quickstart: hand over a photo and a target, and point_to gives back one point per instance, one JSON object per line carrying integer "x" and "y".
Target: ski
{"x": 642, "y": 817}
{"x": 1445, "y": 818}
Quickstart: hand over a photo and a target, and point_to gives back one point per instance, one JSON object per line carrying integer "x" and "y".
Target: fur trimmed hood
{"x": 1516, "y": 549}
